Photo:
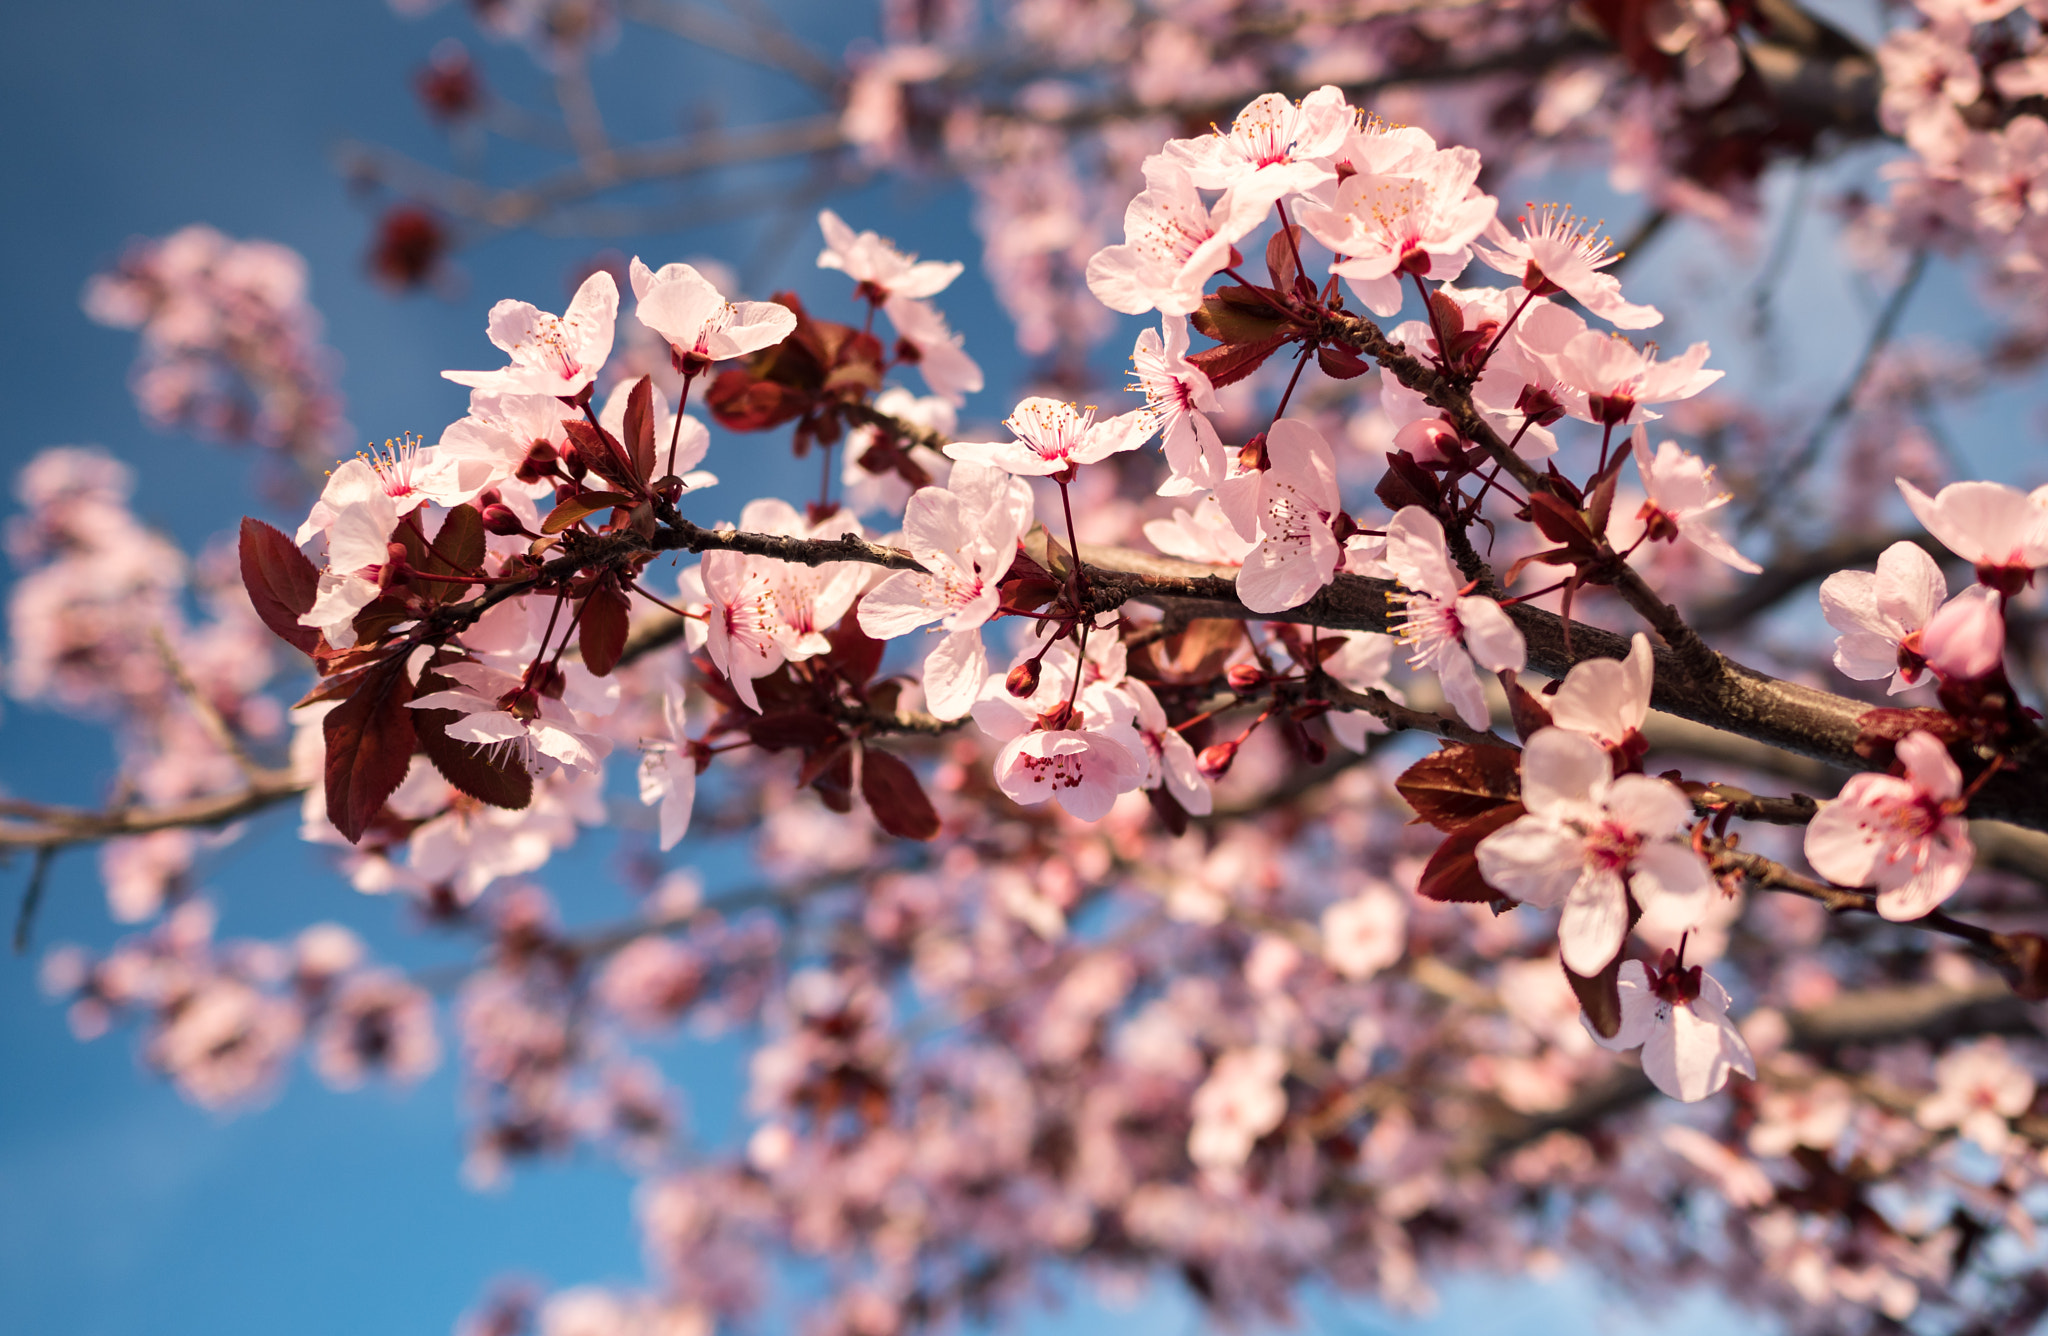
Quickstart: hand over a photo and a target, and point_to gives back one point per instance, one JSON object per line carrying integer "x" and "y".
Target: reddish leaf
{"x": 1232, "y": 362}
{"x": 1453, "y": 871}
{"x": 741, "y": 402}
{"x": 640, "y": 427}
{"x": 802, "y": 729}
{"x": 605, "y": 456}
{"x": 855, "y": 654}
{"x": 1197, "y": 653}
{"x": 579, "y": 507}
{"x": 1525, "y": 707}
{"x": 282, "y": 583}
{"x": 1407, "y": 483}
{"x": 457, "y": 549}
{"x": 494, "y": 775}
{"x": 1281, "y": 249}
{"x": 1599, "y": 996}
{"x": 369, "y": 746}
{"x": 601, "y": 632}
{"x": 1449, "y": 787}
{"x": 1227, "y": 321}
{"x": 1341, "y": 363}
{"x": 1560, "y": 523}
{"x": 895, "y": 797}
{"x": 834, "y": 780}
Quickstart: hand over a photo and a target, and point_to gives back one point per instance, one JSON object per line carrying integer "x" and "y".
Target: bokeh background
{"x": 122, "y": 1209}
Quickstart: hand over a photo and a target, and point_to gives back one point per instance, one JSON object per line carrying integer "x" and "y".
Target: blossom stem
{"x": 662, "y": 603}
{"x": 1507, "y": 325}
{"x": 526, "y": 680}
{"x": 1294, "y": 379}
{"x": 1080, "y": 608}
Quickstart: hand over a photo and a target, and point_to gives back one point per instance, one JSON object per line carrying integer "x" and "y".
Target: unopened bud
{"x": 1244, "y": 676}
{"x": 1215, "y": 759}
{"x": 499, "y": 519}
{"x": 1251, "y": 456}
{"x": 1023, "y": 679}
{"x": 572, "y": 460}
{"x": 550, "y": 681}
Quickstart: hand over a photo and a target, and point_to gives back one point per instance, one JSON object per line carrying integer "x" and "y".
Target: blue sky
{"x": 122, "y": 1209}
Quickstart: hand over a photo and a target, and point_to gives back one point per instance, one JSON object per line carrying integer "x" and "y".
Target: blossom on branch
{"x": 1179, "y": 398}
{"x": 1679, "y": 1018}
{"x": 1901, "y": 834}
{"x": 873, "y": 262}
{"x": 1052, "y": 437}
{"x": 1451, "y": 628}
{"x": 1558, "y": 252}
{"x": 551, "y": 354}
{"x": 1590, "y": 842}
{"x": 701, "y": 326}
{"x": 1683, "y": 497}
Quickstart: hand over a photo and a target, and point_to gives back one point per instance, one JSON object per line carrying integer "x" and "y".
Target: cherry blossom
{"x": 1558, "y": 252}
{"x": 1966, "y": 639}
{"x": 1385, "y": 227}
{"x": 1165, "y": 755}
{"x": 1365, "y": 933}
{"x": 1173, "y": 244}
{"x": 1620, "y": 379}
{"x": 875, "y": 263}
{"x": 1979, "y": 1090}
{"x": 1882, "y": 616}
{"x": 1450, "y": 628}
{"x": 1679, "y": 1018}
{"x": 1607, "y": 699}
{"x": 554, "y": 355}
{"x": 501, "y": 710}
{"x": 1085, "y": 771}
{"x": 1273, "y": 148}
{"x": 668, "y": 773}
{"x": 1204, "y": 534}
{"x": 1361, "y": 663}
{"x": 1180, "y": 399}
{"x": 1902, "y": 835}
{"x": 701, "y": 326}
{"x": 1590, "y": 841}
{"x": 1053, "y": 436}
{"x": 966, "y": 535}
{"x": 406, "y": 473}
{"x": 376, "y": 1024}
{"x": 948, "y": 371}
{"x": 1240, "y": 1102}
{"x": 2000, "y": 530}
{"x": 1683, "y": 497}
{"x": 1298, "y": 551}
{"x": 358, "y": 548}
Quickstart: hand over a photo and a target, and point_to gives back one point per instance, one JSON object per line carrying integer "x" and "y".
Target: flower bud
{"x": 1966, "y": 639}
{"x": 1215, "y": 759}
{"x": 1244, "y": 676}
{"x": 572, "y": 460}
{"x": 1252, "y": 455}
{"x": 499, "y": 519}
{"x": 1023, "y": 679}
{"x": 539, "y": 462}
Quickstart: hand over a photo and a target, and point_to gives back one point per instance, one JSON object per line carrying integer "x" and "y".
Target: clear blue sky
{"x": 122, "y": 1210}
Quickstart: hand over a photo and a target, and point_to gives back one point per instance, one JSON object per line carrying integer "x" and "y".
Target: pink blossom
{"x": 1366, "y": 933}
{"x": 1273, "y": 148}
{"x": 1204, "y": 535}
{"x": 1882, "y": 616}
{"x": 2007, "y": 173}
{"x": 873, "y": 261}
{"x": 1362, "y": 664}
{"x": 2000, "y": 530}
{"x": 1179, "y": 398}
{"x": 701, "y": 326}
{"x": 1053, "y": 436}
{"x": 762, "y": 612}
{"x": 1240, "y": 1102}
{"x": 1422, "y": 222}
{"x": 1679, "y": 1018}
{"x": 556, "y": 355}
{"x": 1590, "y": 841}
{"x": 1450, "y": 628}
{"x": 1683, "y": 496}
{"x": 1618, "y": 378}
{"x": 404, "y": 472}
{"x": 1966, "y": 639}
{"x": 1085, "y": 771}
{"x": 1558, "y": 252}
{"x": 1164, "y": 755}
{"x": 358, "y": 548}
{"x": 1607, "y": 699}
{"x": 1928, "y": 74}
{"x": 1979, "y": 1091}
{"x": 501, "y": 710}
{"x": 1173, "y": 244}
{"x": 376, "y": 1024}
{"x": 1298, "y": 551}
{"x": 1903, "y": 835}
{"x": 668, "y": 773}
{"x": 948, "y": 371}
{"x": 966, "y": 535}
{"x": 650, "y": 982}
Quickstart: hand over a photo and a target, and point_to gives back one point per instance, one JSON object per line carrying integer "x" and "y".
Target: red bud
{"x": 1023, "y": 679}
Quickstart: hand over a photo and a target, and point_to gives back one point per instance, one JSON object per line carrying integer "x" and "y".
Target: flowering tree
{"x": 1118, "y": 908}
